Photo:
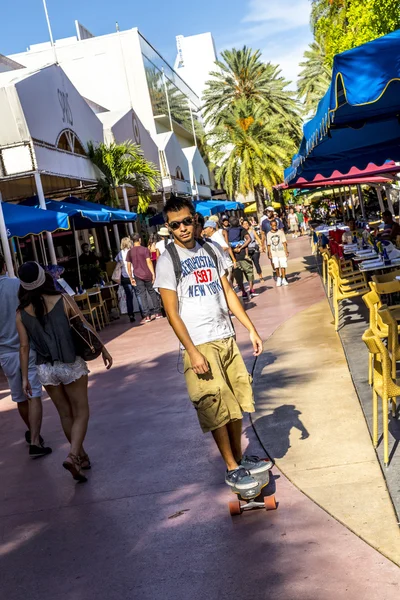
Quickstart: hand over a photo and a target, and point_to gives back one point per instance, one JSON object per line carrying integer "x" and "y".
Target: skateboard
{"x": 250, "y": 499}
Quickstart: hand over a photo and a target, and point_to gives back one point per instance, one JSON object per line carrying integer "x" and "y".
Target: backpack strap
{"x": 210, "y": 251}
{"x": 176, "y": 262}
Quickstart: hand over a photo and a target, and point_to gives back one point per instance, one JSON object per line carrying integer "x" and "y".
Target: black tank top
{"x": 53, "y": 341}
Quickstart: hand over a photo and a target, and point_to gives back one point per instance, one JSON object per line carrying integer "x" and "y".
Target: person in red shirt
{"x": 139, "y": 258}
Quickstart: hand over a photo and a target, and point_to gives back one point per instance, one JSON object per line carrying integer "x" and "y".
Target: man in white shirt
{"x": 197, "y": 298}
{"x": 215, "y": 234}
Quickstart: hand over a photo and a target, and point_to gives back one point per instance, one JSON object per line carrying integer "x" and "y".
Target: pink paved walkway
{"x": 112, "y": 539}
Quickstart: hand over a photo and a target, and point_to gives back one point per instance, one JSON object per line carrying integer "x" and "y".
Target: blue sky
{"x": 277, "y": 27}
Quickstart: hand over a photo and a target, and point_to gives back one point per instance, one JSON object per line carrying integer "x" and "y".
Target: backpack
{"x": 176, "y": 261}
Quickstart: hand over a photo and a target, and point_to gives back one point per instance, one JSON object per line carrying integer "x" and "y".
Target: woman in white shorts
{"x": 43, "y": 323}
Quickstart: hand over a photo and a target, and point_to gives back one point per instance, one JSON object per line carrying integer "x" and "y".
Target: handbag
{"x": 87, "y": 345}
{"x": 117, "y": 273}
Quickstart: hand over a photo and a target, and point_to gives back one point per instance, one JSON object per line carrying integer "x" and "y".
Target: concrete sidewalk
{"x": 114, "y": 537}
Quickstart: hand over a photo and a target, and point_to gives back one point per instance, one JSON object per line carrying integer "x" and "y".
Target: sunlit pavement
{"x": 153, "y": 522}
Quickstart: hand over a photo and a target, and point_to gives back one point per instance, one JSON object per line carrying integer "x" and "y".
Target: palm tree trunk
{"x": 116, "y": 198}
{"x": 259, "y": 197}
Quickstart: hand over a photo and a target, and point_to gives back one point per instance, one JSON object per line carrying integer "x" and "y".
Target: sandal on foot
{"x": 85, "y": 462}
{"x": 73, "y": 464}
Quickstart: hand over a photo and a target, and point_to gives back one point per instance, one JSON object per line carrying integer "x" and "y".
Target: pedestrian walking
{"x": 293, "y": 223}
{"x": 300, "y": 218}
{"x": 29, "y": 407}
{"x": 163, "y": 239}
{"x": 197, "y": 298}
{"x": 254, "y": 247}
{"x": 125, "y": 282}
{"x": 278, "y": 252}
{"x": 239, "y": 240}
{"x": 43, "y": 322}
{"x": 152, "y": 246}
{"x": 215, "y": 234}
{"x": 141, "y": 273}
{"x": 265, "y": 229}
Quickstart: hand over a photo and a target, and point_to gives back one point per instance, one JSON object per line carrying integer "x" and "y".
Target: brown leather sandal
{"x": 85, "y": 462}
{"x": 73, "y": 464}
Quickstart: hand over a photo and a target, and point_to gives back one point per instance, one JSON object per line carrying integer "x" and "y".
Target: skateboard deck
{"x": 251, "y": 499}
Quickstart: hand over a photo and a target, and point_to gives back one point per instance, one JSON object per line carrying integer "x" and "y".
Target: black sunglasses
{"x": 174, "y": 225}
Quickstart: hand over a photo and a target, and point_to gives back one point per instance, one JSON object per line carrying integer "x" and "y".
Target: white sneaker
{"x": 284, "y": 281}
{"x": 279, "y": 282}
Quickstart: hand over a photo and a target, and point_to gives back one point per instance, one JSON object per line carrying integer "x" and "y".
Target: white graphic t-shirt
{"x": 202, "y": 304}
{"x": 276, "y": 239}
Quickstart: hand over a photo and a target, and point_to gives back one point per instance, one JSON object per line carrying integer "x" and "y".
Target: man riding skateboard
{"x": 197, "y": 298}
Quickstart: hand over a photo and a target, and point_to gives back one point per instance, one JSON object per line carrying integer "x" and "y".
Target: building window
{"x": 69, "y": 142}
{"x": 179, "y": 174}
{"x": 202, "y": 180}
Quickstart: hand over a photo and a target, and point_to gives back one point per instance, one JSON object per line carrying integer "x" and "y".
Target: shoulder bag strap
{"x": 176, "y": 262}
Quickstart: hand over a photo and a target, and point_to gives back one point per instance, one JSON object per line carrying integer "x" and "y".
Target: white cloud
{"x": 280, "y": 14}
{"x": 280, "y": 29}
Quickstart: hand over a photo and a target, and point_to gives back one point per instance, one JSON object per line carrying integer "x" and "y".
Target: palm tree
{"x": 242, "y": 75}
{"x": 123, "y": 164}
{"x": 250, "y": 149}
{"x": 314, "y": 79}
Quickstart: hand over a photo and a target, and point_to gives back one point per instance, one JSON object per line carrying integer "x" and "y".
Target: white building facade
{"x": 122, "y": 72}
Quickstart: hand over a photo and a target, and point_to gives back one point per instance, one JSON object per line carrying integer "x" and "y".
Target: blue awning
{"x": 25, "y": 220}
{"x": 357, "y": 121}
{"x": 117, "y": 215}
{"x": 208, "y": 208}
{"x": 82, "y": 218}
{"x": 228, "y": 204}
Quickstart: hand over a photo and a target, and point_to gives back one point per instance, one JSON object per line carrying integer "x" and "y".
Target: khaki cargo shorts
{"x": 246, "y": 265}
{"x": 223, "y": 394}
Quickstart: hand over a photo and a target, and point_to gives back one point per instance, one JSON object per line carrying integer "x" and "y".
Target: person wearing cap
{"x": 163, "y": 241}
{"x": 44, "y": 322}
{"x": 29, "y": 407}
{"x": 214, "y": 233}
{"x": 265, "y": 229}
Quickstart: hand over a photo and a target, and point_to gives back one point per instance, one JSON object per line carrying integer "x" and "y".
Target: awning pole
{"x": 43, "y": 249}
{"x": 389, "y": 198}
{"x": 353, "y": 208}
{"x": 126, "y": 204}
{"x": 34, "y": 249}
{"x": 107, "y": 241}
{"x": 116, "y": 235}
{"x": 96, "y": 241}
{"x": 380, "y": 199}
{"x": 77, "y": 254}
{"x": 42, "y": 202}
{"x": 361, "y": 199}
{"x": 4, "y": 242}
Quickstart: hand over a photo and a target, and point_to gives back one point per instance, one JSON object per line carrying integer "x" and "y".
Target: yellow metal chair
{"x": 376, "y": 323}
{"x": 393, "y": 335}
{"x": 87, "y": 308}
{"x": 386, "y": 277}
{"x": 384, "y": 387}
{"x": 325, "y": 258}
{"x": 344, "y": 287}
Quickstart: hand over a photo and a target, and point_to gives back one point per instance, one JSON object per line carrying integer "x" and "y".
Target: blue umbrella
{"x": 23, "y": 220}
{"x": 208, "y": 208}
{"x": 117, "y": 215}
{"x": 82, "y": 218}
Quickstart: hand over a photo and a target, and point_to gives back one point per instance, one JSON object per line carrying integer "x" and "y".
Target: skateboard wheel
{"x": 270, "y": 502}
{"x": 235, "y": 507}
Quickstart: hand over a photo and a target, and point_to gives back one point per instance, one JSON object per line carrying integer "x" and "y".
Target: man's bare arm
{"x": 170, "y": 301}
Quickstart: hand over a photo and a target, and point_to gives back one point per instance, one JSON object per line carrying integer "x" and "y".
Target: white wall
{"x": 107, "y": 70}
{"x": 199, "y": 56}
{"x": 51, "y": 104}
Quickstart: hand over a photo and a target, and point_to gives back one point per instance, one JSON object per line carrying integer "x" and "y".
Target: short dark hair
{"x": 233, "y": 221}
{"x": 136, "y": 238}
{"x": 266, "y": 211}
{"x": 200, "y": 219}
{"x": 386, "y": 213}
{"x": 2, "y": 262}
{"x": 175, "y": 204}
{"x": 85, "y": 244}
{"x": 273, "y": 221}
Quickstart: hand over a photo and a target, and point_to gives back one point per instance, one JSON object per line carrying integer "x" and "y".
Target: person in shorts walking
{"x": 197, "y": 298}
{"x": 278, "y": 252}
{"x": 29, "y": 407}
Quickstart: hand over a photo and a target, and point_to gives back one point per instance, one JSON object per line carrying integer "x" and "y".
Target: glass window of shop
{"x": 168, "y": 89}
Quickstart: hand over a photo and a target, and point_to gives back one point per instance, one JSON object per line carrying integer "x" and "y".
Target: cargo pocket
{"x": 211, "y": 410}
{"x": 243, "y": 391}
